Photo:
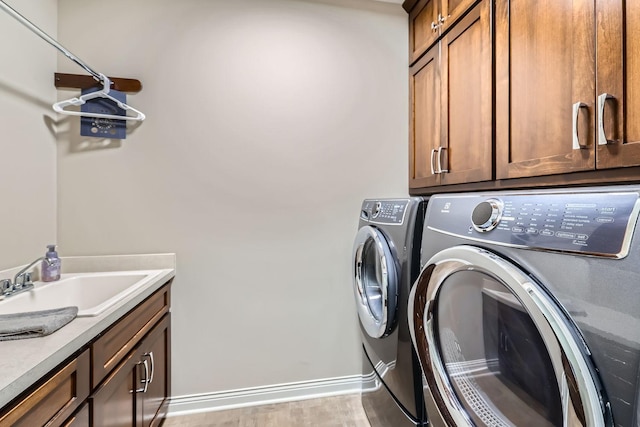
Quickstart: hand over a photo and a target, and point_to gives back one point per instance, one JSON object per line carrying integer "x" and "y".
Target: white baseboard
{"x": 206, "y": 402}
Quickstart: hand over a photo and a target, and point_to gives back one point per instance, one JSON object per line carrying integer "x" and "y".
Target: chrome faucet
{"x": 23, "y": 277}
{"x": 21, "y": 281}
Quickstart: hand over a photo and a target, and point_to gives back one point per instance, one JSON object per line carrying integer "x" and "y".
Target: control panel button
{"x": 604, "y": 220}
{"x": 486, "y": 215}
{"x": 565, "y": 235}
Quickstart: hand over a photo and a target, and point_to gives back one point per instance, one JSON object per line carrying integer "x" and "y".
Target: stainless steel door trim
{"x": 375, "y": 327}
{"x": 567, "y": 353}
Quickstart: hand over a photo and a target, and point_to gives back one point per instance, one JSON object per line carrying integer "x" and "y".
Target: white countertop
{"x": 25, "y": 361}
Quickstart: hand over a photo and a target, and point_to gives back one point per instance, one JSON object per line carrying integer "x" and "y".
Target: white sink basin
{"x": 92, "y": 293}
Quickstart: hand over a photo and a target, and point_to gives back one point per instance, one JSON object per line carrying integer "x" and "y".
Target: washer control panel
{"x": 579, "y": 222}
{"x": 385, "y": 211}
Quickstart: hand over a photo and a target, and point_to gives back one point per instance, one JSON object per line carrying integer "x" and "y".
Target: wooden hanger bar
{"x": 80, "y": 81}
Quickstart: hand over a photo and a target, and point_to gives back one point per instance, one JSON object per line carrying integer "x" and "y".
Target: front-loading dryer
{"x": 527, "y": 308}
{"x": 386, "y": 260}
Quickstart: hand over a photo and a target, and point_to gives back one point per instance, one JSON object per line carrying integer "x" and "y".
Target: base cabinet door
{"x": 617, "y": 85}
{"x": 136, "y": 393}
{"x": 114, "y": 402}
{"x": 155, "y": 349}
{"x": 53, "y": 402}
{"x": 81, "y": 419}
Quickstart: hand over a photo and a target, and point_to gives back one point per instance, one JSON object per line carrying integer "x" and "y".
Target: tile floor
{"x": 337, "y": 411}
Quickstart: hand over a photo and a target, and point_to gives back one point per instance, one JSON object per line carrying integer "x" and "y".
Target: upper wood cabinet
{"x": 451, "y": 106}
{"x": 430, "y": 19}
{"x": 617, "y": 83}
{"x": 561, "y": 102}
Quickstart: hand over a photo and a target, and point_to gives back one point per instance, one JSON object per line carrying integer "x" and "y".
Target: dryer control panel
{"x": 385, "y": 211}
{"x": 599, "y": 223}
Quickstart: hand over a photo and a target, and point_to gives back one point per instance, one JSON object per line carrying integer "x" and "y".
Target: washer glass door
{"x": 496, "y": 350}
{"x": 375, "y": 281}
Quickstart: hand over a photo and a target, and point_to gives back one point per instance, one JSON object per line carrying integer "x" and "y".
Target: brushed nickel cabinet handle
{"x": 440, "y": 170}
{"x": 153, "y": 364}
{"x": 576, "y": 112}
{"x": 602, "y": 137}
{"x": 434, "y": 27}
{"x": 144, "y": 380}
{"x": 433, "y": 172}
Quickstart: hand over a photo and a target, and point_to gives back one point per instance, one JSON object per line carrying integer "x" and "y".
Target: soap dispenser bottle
{"x": 51, "y": 265}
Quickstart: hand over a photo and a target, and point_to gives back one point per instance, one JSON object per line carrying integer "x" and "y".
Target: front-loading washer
{"x": 386, "y": 260}
{"x": 526, "y": 311}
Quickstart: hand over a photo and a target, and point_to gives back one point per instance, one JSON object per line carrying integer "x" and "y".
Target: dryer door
{"x": 496, "y": 349}
{"x": 375, "y": 279}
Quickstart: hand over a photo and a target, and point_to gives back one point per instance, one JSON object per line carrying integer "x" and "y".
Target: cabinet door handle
{"x": 433, "y": 152}
{"x": 442, "y": 18}
{"x": 153, "y": 365}
{"x": 434, "y": 27}
{"x": 576, "y": 112}
{"x": 440, "y": 170}
{"x": 602, "y": 137}
{"x": 144, "y": 380}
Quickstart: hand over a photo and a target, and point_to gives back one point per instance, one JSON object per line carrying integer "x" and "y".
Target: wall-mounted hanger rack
{"x": 82, "y": 81}
{"x": 100, "y": 78}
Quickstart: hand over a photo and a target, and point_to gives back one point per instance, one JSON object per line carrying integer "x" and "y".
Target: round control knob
{"x": 486, "y": 215}
{"x": 376, "y": 210}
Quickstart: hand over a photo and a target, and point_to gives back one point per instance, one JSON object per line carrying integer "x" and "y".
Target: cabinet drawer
{"x": 55, "y": 400}
{"x": 109, "y": 350}
{"x": 81, "y": 419}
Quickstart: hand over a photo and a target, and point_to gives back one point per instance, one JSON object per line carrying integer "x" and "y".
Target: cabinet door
{"x": 466, "y": 106}
{"x": 81, "y": 419}
{"x": 617, "y": 85}
{"x": 424, "y": 129}
{"x": 545, "y": 58}
{"x": 423, "y": 28}
{"x": 451, "y": 11}
{"x": 114, "y": 402}
{"x": 156, "y": 350}
{"x": 55, "y": 400}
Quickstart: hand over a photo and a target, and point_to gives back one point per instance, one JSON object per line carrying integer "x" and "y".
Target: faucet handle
{"x": 5, "y": 286}
{"x": 22, "y": 280}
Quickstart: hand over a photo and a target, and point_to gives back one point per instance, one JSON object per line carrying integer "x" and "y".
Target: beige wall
{"x": 27, "y": 144}
{"x": 268, "y": 122}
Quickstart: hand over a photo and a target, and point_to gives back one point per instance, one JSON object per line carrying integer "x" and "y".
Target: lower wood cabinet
{"x": 55, "y": 400}
{"x": 131, "y": 366}
{"x": 80, "y": 419}
{"x": 136, "y": 391}
{"x": 156, "y": 350}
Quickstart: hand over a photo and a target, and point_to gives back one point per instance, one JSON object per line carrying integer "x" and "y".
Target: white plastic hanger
{"x": 103, "y": 93}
